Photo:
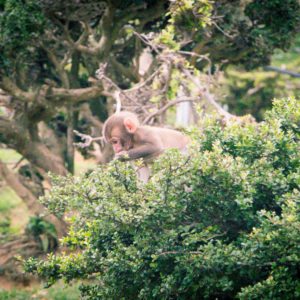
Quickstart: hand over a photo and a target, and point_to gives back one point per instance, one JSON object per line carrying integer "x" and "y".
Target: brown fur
{"x": 132, "y": 141}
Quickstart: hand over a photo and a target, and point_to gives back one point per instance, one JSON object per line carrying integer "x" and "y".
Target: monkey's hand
{"x": 122, "y": 155}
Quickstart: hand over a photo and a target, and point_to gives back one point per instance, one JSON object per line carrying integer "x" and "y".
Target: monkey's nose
{"x": 117, "y": 149}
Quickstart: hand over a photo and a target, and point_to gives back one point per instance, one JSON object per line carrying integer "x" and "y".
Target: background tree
{"x": 252, "y": 91}
{"x": 50, "y": 52}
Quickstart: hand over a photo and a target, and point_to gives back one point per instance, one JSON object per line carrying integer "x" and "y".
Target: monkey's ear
{"x": 130, "y": 125}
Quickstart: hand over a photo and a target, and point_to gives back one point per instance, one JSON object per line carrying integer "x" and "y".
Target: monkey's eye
{"x": 114, "y": 142}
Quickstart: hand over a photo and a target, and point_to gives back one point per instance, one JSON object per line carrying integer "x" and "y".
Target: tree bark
{"x": 29, "y": 199}
{"x": 39, "y": 155}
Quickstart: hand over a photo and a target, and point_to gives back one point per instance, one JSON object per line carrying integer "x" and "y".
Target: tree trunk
{"x": 39, "y": 155}
{"x": 29, "y": 199}
{"x": 70, "y": 140}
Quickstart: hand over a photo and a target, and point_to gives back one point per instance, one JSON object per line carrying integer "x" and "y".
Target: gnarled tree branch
{"x": 29, "y": 199}
{"x": 12, "y": 89}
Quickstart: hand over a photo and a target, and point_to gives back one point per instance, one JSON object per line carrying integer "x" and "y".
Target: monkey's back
{"x": 169, "y": 138}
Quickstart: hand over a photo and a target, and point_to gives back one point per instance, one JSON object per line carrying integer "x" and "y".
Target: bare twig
{"x": 145, "y": 39}
{"x": 142, "y": 84}
{"x": 118, "y": 100}
{"x": 164, "y": 108}
{"x": 100, "y": 74}
{"x": 87, "y": 139}
{"x": 210, "y": 99}
{"x": 205, "y": 57}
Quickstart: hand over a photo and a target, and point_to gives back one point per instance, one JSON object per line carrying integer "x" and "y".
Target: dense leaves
{"x": 252, "y": 92}
{"x": 21, "y": 25}
{"x": 244, "y": 32}
{"x": 239, "y": 31}
{"x": 221, "y": 222}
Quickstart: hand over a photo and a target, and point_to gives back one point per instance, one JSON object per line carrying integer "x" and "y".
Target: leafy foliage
{"x": 252, "y": 92}
{"x": 275, "y": 23}
{"x": 21, "y": 24}
{"x": 221, "y": 222}
{"x": 44, "y": 232}
{"x": 244, "y": 32}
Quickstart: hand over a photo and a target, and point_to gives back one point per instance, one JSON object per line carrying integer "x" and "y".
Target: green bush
{"x": 222, "y": 222}
{"x": 14, "y": 294}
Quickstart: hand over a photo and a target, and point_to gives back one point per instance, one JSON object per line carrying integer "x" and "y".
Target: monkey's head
{"x": 119, "y": 130}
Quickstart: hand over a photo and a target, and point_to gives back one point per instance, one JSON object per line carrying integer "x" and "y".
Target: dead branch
{"x": 147, "y": 41}
{"x": 88, "y": 140}
{"x": 100, "y": 75}
{"x": 118, "y": 102}
{"x": 169, "y": 104}
{"x": 206, "y": 95}
{"x": 143, "y": 83}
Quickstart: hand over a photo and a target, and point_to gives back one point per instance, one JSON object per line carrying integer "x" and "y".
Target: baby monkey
{"x": 130, "y": 140}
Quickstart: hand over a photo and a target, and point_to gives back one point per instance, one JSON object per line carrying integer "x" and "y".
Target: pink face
{"x": 120, "y": 140}
{"x": 116, "y": 143}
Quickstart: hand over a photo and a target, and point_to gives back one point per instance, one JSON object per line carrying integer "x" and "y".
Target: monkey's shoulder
{"x": 167, "y": 138}
{"x": 159, "y": 130}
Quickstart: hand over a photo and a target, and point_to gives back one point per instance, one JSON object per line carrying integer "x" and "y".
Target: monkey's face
{"x": 120, "y": 141}
{"x": 120, "y": 130}
{"x": 117, "y": 144}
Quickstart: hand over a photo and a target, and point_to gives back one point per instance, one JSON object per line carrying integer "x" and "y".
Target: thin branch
{"x": 118, "y": 100}
{"x": 197, "y": 49}
{"x": 282, "y": 71}
{"x": 88, "y": 140}
{"x": 203, "y": 91}
{"x": 142, "y": 84}
{"x": 76, "y": 44}
{"x": 100, "y": 74}
{"x": 170, "y": 103}
{"x": 145, "y": 39}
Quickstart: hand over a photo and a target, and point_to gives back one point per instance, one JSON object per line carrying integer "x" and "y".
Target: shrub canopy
{"x": 221, "y": 222}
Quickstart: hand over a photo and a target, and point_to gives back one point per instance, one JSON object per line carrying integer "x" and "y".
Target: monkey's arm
{"x": 143, "y": 151}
